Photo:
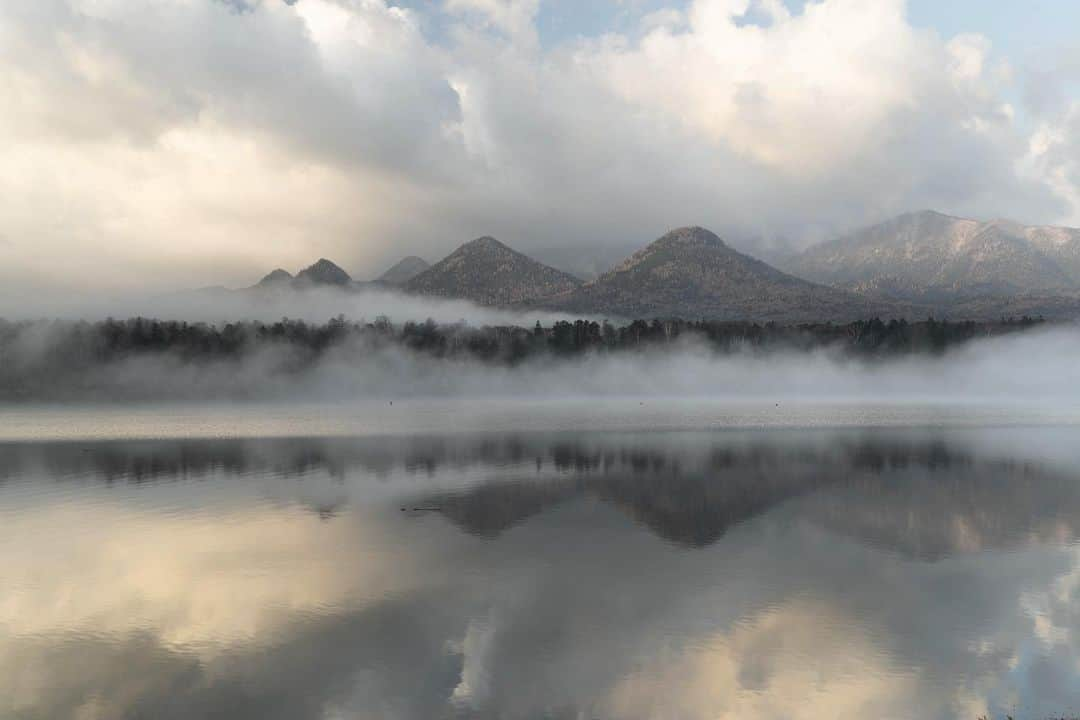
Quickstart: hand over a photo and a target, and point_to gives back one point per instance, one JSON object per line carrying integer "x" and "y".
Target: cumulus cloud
{"x": 181, "y": 142}
{"x": 514, "y": 17}
{"x": 1055, "y": 152}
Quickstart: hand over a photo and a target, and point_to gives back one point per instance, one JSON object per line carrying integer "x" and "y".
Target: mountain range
{"x": 692, "y": 273}
{"x": 326, "y": 273}
{"x": 914, "y": 266}
{"x": 928, "y": 256}
{"x": 322, "y": 273}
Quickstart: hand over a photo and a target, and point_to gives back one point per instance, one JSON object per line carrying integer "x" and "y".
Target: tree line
{"x": 74, "y": 343}
{"x": 139, "y": 357}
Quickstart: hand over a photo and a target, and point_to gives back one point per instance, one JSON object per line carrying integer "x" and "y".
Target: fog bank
{"x": 214, "y": 305}
{"x": 1036, "y": 367}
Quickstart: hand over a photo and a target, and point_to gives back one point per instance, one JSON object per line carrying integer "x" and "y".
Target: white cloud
{"x": 806, "y": 93}
{"x": 183, "y": 142}
{"x": 514, "y": 17}
{"x": 1055, "y": 156}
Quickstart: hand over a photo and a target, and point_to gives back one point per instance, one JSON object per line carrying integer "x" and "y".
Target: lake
{"x": 625, "y": 559}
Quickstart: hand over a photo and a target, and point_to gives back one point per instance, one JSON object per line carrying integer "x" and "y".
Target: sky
{"x": 165, "y": 144}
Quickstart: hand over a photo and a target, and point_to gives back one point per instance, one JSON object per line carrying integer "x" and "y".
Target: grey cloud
{"x": 414, "y": 146}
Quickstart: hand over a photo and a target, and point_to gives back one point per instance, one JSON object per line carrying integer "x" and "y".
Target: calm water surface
{"x": 444, "y": 563}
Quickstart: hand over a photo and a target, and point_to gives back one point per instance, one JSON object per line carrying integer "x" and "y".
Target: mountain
{"x": 275, "y": 278}
{"x": 322, "y": 272}
{"x": 691, "y": 273}
{"x": 403, "y": 271}
{"x": 489, "y": 273}
{"x": 929, "y": 254}
{"x": 1060, "y": 244}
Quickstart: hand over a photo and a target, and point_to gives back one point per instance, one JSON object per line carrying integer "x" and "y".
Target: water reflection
{"x": 929, "y": 574}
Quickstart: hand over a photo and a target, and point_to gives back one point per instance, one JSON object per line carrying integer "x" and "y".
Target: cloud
{"x": 182, "y": 143}
{"x": 1055, "y": 154}
{"x": 516, "y": 18}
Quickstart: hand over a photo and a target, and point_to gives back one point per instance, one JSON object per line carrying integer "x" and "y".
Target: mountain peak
{"x": 689, "y": 236}
{"x": 488, "y": 272}
{"x": 276, "y": 277}
{"x": 404, "y": 270}
{"x": 680, "y": 246}
{"x": 485, "y": 242}
{"x": 324, "y": 272}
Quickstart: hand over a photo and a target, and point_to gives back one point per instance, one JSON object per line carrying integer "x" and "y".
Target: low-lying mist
{"x": 1036, "y": 366}
{"x": 315, "y": 304}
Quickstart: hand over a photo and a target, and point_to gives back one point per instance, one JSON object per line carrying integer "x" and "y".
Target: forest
{"x": 57, "y": 359}
{"x": 75, "y": 343}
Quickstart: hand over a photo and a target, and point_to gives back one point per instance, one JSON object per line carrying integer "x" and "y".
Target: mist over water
{"x": 635, "y": 535}
{"x": 678, "y": 531}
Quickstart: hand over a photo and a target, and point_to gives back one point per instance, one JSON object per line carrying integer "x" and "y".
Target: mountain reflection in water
{"x": 876, "y": 573}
